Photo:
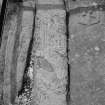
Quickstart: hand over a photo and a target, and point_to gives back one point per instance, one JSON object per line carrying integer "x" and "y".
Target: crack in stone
{"x": 67, "y": 50}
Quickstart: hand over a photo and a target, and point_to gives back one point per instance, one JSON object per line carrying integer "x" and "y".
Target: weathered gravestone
{"x": 49, "y": 53}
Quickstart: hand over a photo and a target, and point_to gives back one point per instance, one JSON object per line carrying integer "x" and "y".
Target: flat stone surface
{"x": 49, "y": 54}
{"x": 87, "y": 52}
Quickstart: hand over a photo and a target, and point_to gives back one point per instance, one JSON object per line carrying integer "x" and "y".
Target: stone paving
{"x": 53, "y": 53}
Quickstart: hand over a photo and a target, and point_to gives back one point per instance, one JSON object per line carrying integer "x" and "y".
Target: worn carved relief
{"x": 49, "y": 54}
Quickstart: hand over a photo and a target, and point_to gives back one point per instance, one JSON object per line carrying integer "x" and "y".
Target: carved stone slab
{"x": 49, "y": 55}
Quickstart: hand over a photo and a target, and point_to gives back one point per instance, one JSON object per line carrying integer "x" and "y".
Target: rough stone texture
{"x": 87, "y": 52}
{"x": 13, "y": 51}
{"x": 49, "y": 55}
{"x": 25, "y": 36}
